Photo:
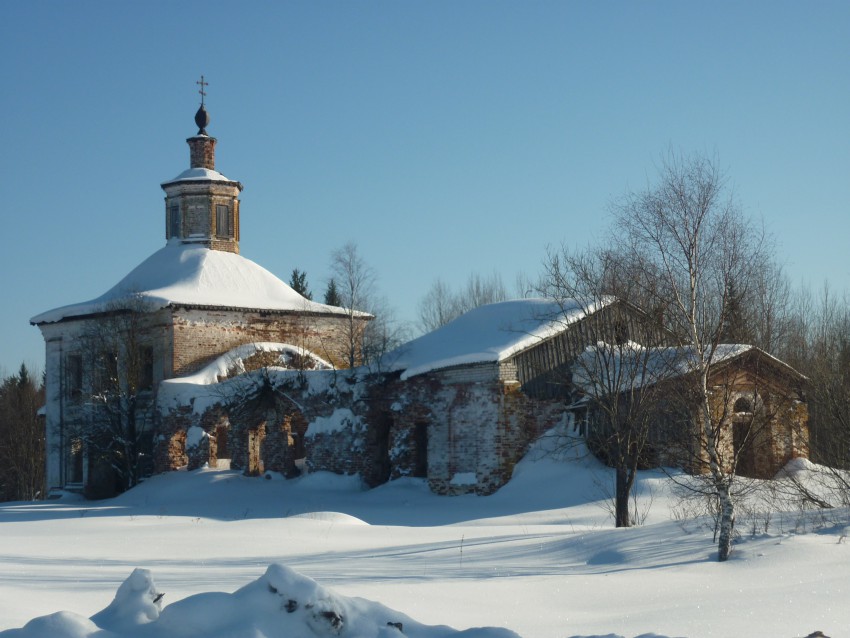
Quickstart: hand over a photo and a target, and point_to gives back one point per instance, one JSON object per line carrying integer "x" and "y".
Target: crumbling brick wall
{"x": 200, "y": 336}
{"x": 463, "y": 430}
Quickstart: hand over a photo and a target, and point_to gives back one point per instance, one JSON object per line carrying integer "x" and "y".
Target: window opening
{"x": 223, "y": 221}
{"x": 174, "y": 221}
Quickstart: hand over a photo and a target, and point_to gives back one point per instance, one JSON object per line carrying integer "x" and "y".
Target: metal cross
{"x": 202, "y": 92}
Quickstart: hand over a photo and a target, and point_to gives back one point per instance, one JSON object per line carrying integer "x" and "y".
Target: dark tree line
{"x": 21, "y": 438}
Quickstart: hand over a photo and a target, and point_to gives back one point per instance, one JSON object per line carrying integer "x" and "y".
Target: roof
{"x": 632, "y": 365}
{"x": 193, "y": 275}
{"x": 199, "y": 174}
{"x": 490, "y": 333}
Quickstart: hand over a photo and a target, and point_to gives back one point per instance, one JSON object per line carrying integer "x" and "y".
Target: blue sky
{"x": 441, "y": 137}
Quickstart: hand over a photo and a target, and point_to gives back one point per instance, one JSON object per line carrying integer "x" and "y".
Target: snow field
{"x": 538, "y": 558}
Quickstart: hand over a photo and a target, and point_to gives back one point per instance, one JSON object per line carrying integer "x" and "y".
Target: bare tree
{"x": 687, "y": 232}
{"x": 371, "y": 327}
{"x": 442, "y": 305}
{"x": 438, "y": 307}
{"x": 355, "y": 282}
{"x": 614, "y": 378}
{"x": 117, "y": 401}
{"x": 21, "y": 438}
{"x": 821, "y": 349}
{"x": 382, "y": 334}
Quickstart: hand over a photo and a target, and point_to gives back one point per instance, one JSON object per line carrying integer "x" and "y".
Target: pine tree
{"x": 734, "y": 327}
{"x": 332, "y": 297}
{"x": 298, "y": 282}
{"x": 21, "y": 438}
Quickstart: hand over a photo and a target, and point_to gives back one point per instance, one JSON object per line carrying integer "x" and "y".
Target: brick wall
{"x": 464, "y": 436}
{"x": 202, "y": 335}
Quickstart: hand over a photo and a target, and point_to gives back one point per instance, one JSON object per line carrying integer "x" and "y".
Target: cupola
{"x": 201, "y": 204}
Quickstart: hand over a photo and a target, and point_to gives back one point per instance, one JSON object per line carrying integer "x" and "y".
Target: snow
{"x": 540, "y": 559}
{"x": 488, "y": 333}
{"x": 638, "y": 366}
{"x": 341, "y": 419}
{"x": 192, "y": 275}
{"x": 195, "y": 436}
{"x": 198, "y": 174}
{"x": 464, "y": 478}
{"x": 197, "y": 389}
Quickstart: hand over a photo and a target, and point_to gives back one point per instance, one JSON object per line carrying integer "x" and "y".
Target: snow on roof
{"x": 195, "y": 174}
{"x": 488, "y": 333}
{"x": 633, "y": 366}
{"x": 189, "y": 274}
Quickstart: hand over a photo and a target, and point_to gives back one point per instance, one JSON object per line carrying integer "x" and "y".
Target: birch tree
{"x": 688, "y": 232}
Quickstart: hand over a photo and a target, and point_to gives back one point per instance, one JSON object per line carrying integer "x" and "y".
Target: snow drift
{"x": 280, "y": 604}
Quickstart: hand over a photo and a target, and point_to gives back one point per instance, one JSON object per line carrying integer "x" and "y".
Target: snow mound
{"x": 330, "y": 517}
{"x": 136, "y": 602}
{"x": 797, "y": 466}
{"x": 280, "y": 604}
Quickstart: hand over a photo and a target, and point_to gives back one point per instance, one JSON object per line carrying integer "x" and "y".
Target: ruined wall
{"x": 463, "y": 436}
{"x": 202, "y": 335}
{"x": 475, "y": 431}
{"x": 757, "y": 437}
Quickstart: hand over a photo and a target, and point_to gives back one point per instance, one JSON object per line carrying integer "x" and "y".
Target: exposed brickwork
{"x": 202, "y": 335}
{"x": 195, "y": 202}
{"x": 202, "y": 152}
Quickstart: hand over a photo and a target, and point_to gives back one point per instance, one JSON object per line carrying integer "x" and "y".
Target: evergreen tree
{"x": 734, "y": 326}
{"x": 298, "y": 282}
{"x": 21, "y": 438}
{"x": 332, "y": 297}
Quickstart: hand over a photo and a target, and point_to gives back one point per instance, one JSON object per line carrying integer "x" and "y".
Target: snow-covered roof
{"x": 631, "y": 365}
{"x": 198, "y": 174}
{"x": 488, "y": 333}
{"x": 193, "y": 275}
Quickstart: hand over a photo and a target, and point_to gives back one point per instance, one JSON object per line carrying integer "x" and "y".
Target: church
{"x": 200, "y": 357}
{"x": 185, "y": 305}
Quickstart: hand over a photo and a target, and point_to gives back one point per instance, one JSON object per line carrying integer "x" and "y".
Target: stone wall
{"x": 202, "y": 335}
{"x": 464, "y": 437}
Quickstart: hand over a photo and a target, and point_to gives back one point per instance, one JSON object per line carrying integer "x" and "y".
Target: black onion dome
{"x": 202, "y": 119}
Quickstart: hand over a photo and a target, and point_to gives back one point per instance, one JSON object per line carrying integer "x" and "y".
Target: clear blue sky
{"x": 442, "y": 137}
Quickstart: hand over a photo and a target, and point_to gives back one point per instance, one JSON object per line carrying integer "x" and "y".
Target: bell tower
{"x": 201, "y": 204}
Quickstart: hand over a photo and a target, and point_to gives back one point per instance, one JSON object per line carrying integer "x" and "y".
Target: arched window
{"x": 743, "y": 404}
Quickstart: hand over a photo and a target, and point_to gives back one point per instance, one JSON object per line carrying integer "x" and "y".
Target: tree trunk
{"x": 727, "y": 523}
{"x": 621, "y": 499}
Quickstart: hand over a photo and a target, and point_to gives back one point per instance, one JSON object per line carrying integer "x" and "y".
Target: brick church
{"x": 200, "y": 357}
{"x": 188, "y": 303}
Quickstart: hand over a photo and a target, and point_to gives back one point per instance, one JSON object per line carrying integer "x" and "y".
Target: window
{"x": 223, "y": 221}
{"x": 174, "y": 220}
{"x": 74, "y": 376}
{"x": 743, "y": 405}
{"x": 145, "y": 370}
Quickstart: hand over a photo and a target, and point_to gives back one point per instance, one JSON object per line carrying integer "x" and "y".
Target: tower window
{"x": 223, "y": 221}
{"x": 174, "y": 221}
